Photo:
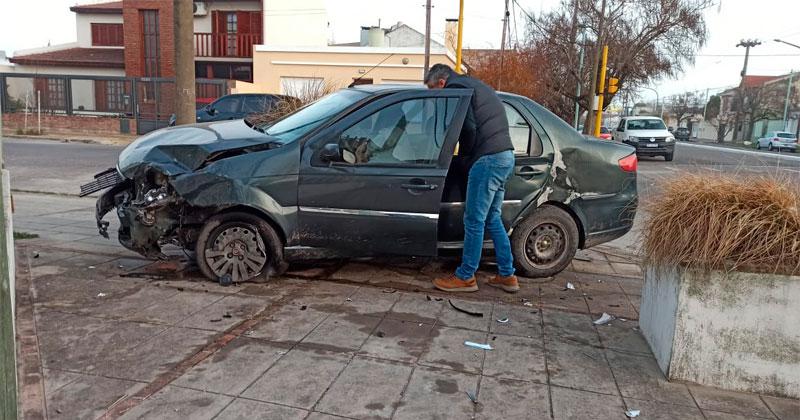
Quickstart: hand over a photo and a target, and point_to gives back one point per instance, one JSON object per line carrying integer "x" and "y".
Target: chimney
{"x": 376, "y": 36}
{"x": 364, "y": 41}
{"x": 451, "y": 34}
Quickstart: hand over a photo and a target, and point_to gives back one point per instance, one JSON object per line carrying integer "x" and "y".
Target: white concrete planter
{"x": 736, "y": 331}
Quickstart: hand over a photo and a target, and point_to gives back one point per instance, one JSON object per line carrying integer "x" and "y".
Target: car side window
{"x": 519, "y": 129}
{"x": 253, "y": 103}
{"x": 621, "y": 126}
{"x": 230, "y": 104}
{"x": 409, "y": 132}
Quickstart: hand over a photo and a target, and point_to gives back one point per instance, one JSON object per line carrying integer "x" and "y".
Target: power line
{"x": 524, "y": 11}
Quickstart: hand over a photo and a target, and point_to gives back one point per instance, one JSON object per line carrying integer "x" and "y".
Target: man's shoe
{"x": 455, "y": 284}
{"x": 510, "y": 284}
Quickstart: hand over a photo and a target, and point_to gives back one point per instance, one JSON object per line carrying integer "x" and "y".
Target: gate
{"x": 155, "y": 100}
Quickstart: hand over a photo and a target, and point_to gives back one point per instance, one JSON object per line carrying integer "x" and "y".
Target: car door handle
{"x": 528, "y": 171}
{"x": 419, "y": 186}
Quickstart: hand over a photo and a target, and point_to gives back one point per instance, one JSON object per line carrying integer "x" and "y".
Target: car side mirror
{"x": 210, "y": 109}
{"x": 331, "y": 153}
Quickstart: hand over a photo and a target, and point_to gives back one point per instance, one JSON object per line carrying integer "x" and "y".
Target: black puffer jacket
{"x": 485, "y": 130}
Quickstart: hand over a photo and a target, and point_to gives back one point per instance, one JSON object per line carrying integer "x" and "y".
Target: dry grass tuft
{"x": 301, "y": 96}
{"x": 721, "y": 222}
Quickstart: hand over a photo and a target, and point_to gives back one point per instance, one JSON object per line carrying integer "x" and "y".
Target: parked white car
{"x": 649, "y": 135}
{"x": 778, "y": 140}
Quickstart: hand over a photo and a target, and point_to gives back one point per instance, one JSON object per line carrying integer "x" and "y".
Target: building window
{"x": 150, "y": 41}
{"x": 54, "y": 95}
{"x": 107, "y": 35}
{"x": 115, "y": 95}
{"x": 231, "y": 28}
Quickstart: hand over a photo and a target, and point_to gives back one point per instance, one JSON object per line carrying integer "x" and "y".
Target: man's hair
{"x": 438, "y": 71}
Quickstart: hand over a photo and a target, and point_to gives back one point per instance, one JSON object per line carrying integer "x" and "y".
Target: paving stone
{"x": 563, "y": 302}
{"x": 653, "y": 410}
{"x": 370, "y": 301}
{"x": 55, "y": 379}
{"x": 417, "y": 308}
{"x": 581, "y": 405}
{"x": 371, "y": 273}
{"x": 437, "y": 393}
{"x": 627, "y": 269}
{"x": 226, "y": 312}
{"x": 639, "y": 376}
{"x": 508, "y": 399}
{"x": 177, "y": 307}
{"x": 784, "y": 408}
{"x": 367, "y": 388}
{"x": 343, "y": 332}
{"x": 233, "y": 368}
{"x": 299, "y": 378}
{"x": 625, "y": 336}
{"x": 523, "y": 321}
{"x": 127, "y": 304}
{"x": 631, "y": 286}
{"x": 450, "y": 317}
{"x": 730, "y": 402}
{"x": 599, "y": 267}
{"x": 87, "y": 397}
{"x": 241, "y": 409}
{"x": 323, "y": 416}
{"x": 64, "y": 291}
{"x": 616, "y": 304}
{"x": 718, "y": 415}
{"x": 571, "y": 327}
{"x": 289, "y": 323}
{"x": 399, "y": 340}
{"x": 580, "y": 367}
{"x": 179, "y": 403}
{"x": 516, "y": 358}
{"x": 447, "y": 350}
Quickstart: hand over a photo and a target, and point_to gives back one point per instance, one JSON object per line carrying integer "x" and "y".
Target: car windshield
{"x": 604, "y": 130}
{"x": 785, "y": 135}
{"x": 646, "y": 125}
{"x": 311, "y": 116}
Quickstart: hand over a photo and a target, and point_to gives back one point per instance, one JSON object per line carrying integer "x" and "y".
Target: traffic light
{"x": 613, "y": 85}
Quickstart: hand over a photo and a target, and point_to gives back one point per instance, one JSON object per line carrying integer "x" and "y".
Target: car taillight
{"x": 629, "y": 163}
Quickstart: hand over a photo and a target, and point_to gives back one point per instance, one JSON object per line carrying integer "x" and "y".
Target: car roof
{"x": 643, "y": 117}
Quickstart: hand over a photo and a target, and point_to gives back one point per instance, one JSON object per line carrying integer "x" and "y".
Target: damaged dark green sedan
{"x": 363, "y": 171}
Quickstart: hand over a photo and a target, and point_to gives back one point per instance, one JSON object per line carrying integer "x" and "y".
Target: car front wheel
{"x": 545, "y": 242}
{"x": 236, "y": 247}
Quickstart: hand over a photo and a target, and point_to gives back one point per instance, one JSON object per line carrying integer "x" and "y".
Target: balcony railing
{"x": 225, "y": 45}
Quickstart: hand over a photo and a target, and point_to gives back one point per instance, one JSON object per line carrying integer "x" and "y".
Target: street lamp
{"x": 661, "y": 115}
{"x": 787, "y": 43}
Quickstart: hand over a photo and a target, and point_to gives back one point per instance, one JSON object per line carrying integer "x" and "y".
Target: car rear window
{"x": 646, "y": 125}
{"x": 785, "y": 135}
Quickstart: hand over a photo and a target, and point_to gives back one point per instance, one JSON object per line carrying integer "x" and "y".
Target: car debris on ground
{"x": 604, "y": 319}
{"x": 478, "y": 345}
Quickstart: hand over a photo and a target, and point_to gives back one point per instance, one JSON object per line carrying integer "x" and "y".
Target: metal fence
{"x": 148, "y": 100}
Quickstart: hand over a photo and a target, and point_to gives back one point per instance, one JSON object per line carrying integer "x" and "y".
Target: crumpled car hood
{"x": 182, "y": 149}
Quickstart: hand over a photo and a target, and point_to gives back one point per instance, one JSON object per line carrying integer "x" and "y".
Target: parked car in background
{"x": 236, "y": 106}
{"x": 778, "y": 140}
{"x": 605, "y": 133}
{"x": 649, "y": 135}
{"x": 682, "y": 134}
{"x": 368, "y": 170}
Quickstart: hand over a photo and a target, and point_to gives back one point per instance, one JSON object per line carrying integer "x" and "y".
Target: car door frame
{"x": 386, "y": 226}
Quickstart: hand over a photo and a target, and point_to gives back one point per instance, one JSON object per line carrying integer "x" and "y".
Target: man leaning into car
{"x": 485, "y": 145}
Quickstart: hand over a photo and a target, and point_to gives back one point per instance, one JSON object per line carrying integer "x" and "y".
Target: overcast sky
{"x": 34, "y": 23}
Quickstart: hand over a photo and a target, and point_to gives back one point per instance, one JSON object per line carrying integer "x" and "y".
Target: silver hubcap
{"x": 545, "y": 245}
{"x": 238, "y": 252}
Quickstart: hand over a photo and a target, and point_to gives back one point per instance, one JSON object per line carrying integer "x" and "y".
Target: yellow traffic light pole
{"x": 460, "y": 32}
{"x": 601, "y": 88}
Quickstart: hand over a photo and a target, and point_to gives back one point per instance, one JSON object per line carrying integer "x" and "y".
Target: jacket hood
{"x": 181, "y": 149}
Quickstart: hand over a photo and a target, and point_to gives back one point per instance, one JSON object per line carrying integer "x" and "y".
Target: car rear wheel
{"x": 544, "y": 244}
{"x": 237, "y": 247}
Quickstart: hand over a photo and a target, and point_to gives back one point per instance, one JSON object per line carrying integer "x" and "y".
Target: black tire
{"x": 255, "y": 240}
{"x": 547, "y": 226}
{"x": 668, "y": 157}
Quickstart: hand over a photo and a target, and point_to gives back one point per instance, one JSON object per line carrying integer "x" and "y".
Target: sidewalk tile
{"x": 127, "y": 304}
{"x": 233, "y": 368}
{"x": 87, "y": 397}
{"x": 627, "y": 269}
{"x": 447, "y": 350}
{"x": 581, "y": 405}
{"x": 370, "y": 273}
{"x": 784, "y": 408}
{"x": 299, "y": 378}
{"x": 398, "y": 340}
{"x": 56, "y": 379}
{"x": 567, "y": 326}
{"x": 370, "y": 301}
{"x": 599, "y": 267}
{"x": 367, "y": 388}
{"x": 289, "y": 323}
{"x": 730, "y": 402}
{"x": 622, "y": 336}
{"x": 177, "y": 307}
{"x": 580, "y": 367}
{"x": 227, "y": 312}
{"x": 507, "y": 399}
{"x": 639, "y": 377}
{"x": 344, "y": 332}
{"x": 416, "y": 308}
{"x": 631, "y": 286}
{"x": 179, "y": 403}
{"x": 323, "y": 416}
{"x": 435, "y": 393}
{"x": 516, "y": 358}
{"x": 523, "y": 321}
{"x": 653, "y": 410}
{"x": 616, "y": 304}
{"x": 241, "y": 409}
{"x": 450, "y": 317}
{"x": 718, "y": 415}
{"x": 74, "y": 294}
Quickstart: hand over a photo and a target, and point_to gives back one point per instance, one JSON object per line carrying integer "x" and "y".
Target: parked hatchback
{"x": 364, "y": 171}
{"x": 236, "y": 106}
{"x": 649, "y": 135}
{"x": 682, "y": 134}
{"x": 778, "y": 140}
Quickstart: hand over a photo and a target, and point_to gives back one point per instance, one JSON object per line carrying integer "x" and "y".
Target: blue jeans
{"x": 485, "y": 192}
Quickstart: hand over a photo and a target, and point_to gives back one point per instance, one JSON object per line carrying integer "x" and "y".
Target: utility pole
{"x": 587, "y": 127}
{"x": 747, "y": 44}
{"x": 183, "y": 20}
{"x": 503, "y": 47}
{"x": 602, "y": 89}
{"x": 460, "y": 35}
{"x": 786, "y": 103}
{"x": 580, "y": 82}
{"x": 427, "y": 37}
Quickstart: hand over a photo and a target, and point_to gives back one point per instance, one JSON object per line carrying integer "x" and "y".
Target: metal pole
{"x": 460, "y": 34}
{"x": 786, "y": 104}
{"x": 427, "y": 38}
{"x": 503, "y": 46}
{"x": 183, "y": 22}
{"x": 578, "y": 88}
{"x": 38, "y": 112}
{"x": 587, "y": 127}
{"x": 601, "y": 92}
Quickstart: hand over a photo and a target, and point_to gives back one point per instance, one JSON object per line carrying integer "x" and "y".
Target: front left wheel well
{"x": 258, "y": 213}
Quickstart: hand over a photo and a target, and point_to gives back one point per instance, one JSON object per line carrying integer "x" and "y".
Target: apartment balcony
{"x": 222, "y": 45}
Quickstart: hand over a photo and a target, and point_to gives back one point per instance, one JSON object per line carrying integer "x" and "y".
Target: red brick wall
{"x": 134, "y": 50}
{"x": 66, "y": 124}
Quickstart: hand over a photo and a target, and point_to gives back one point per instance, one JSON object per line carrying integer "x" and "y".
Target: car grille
{"x": 646, "y": 140}
{"x": 103, "y": 180}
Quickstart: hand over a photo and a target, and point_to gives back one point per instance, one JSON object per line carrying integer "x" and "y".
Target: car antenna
{"x": 367, "y": 72}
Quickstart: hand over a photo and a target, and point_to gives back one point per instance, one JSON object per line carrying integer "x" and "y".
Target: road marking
{"x": 741, "y": 152}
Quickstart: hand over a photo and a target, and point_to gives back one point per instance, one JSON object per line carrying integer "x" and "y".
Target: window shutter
{"x": 243, "y": 22}
{"x": 100, "y": 100}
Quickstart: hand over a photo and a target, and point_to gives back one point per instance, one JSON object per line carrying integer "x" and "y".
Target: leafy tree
{"x": 712, "y": 108}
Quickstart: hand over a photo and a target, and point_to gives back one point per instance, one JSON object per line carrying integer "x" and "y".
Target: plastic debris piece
{"x": 570, "y": 286}
{"x": 632, "y": 413}
{"x": 470, "y": 313}
{"x": 225, "y": 280}
{"x": 348, "y": 300}
{"x": 101, "y": 294}
{"x": 215, "y": 320}
{"x": 528, "y": 304}
{"x": 604, "y": 319}
{"x": 503, "y": 320}
{"x": 91, "y": 266}
{"x": 472, "y": 397}
{"x": 478, "y": 345}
